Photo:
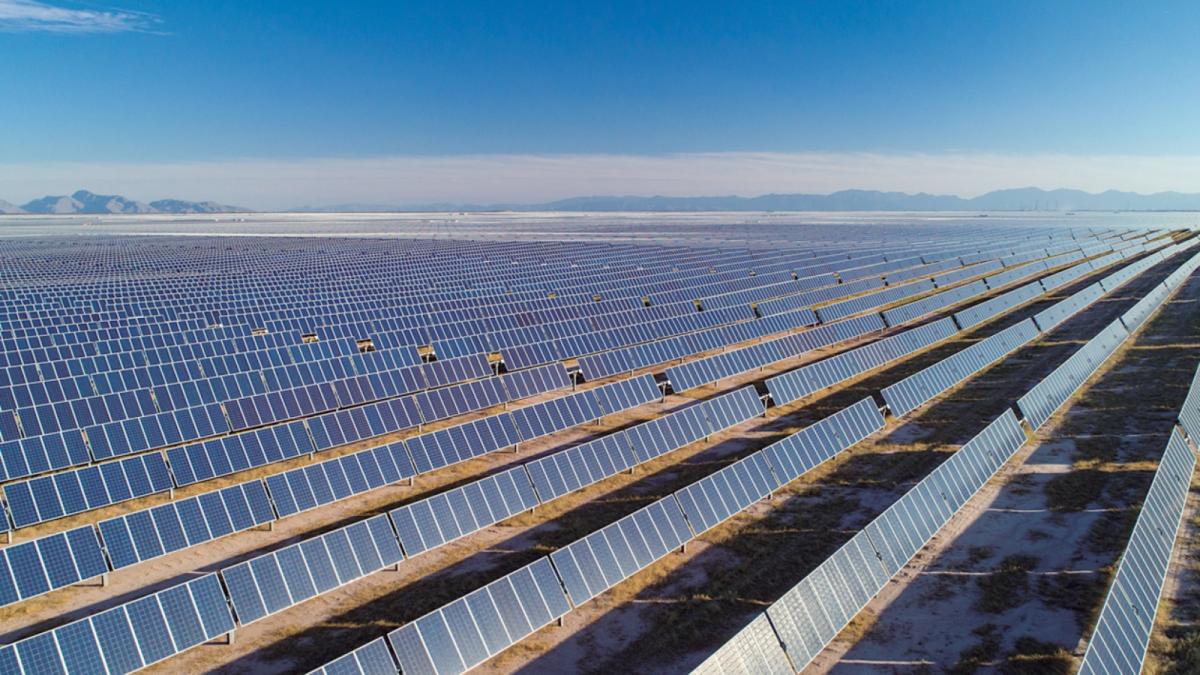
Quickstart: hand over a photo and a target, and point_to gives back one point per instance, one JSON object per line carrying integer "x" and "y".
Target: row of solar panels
{"x": 905, "y": 395}
{"x": 1122, "y": 631}
{"x": 333, "y": 381}
{"x": 31, "y": 456}
{"x": 260, "y": 586}
{"x": 493, "y": 348}
{"x": 410, "y": 330}
{"x": 712, "y": 369}
{"x": 153, "y": 532}
{"x": 468, "y": 631}
{"x": 800, "y": 624}
{"x": 574, "y": 269}
{"x": 78, "y": 490}
{"x": 47, "y": 416}
{"x": 376, "y": 310}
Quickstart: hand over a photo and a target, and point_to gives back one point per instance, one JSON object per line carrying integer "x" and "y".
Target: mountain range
{"x": 1019, "y": 199}
{"x": 85, "y": 202}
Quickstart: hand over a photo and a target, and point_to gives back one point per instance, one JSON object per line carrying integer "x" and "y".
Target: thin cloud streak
{"x": 24, "y": 16}
{"x": 486, "y": 179}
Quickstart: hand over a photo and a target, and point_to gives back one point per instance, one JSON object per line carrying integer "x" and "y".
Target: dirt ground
{"x": 306, "y": 636}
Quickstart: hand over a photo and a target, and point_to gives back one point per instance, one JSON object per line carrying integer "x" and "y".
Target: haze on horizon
{"x": 282, "y": 104}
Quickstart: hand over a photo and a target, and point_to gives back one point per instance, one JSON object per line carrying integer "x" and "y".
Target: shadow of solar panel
{"x": 1119, "y": 641}
{"x": 468, "y": 631}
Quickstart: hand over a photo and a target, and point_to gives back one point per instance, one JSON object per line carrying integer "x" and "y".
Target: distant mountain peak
{"x": 88, "y": 202}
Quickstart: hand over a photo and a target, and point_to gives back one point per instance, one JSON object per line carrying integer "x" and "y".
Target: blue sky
{"x": 556, "y": 95}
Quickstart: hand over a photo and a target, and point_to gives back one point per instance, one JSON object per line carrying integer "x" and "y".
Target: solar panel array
{"x": 135, "y": 391}
{"x": 799, "y": 625}
{"x": 1122, "y": 633}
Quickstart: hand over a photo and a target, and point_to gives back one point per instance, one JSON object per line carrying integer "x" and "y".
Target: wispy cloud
{"x": 404, "y": 180}
{"x": 23, "y": 16}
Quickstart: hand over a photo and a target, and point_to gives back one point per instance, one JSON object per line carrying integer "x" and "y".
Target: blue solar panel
{"x": 150, "y": 533}
{"x": 130, "y": 636}
{"x": 63, "y": 494}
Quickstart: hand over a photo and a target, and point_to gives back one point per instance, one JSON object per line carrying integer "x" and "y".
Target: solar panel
{"x": 915, "y": 390}
{"x": 1039, "y": 404}
{"x": 599, "y": 561}
{"x": 468, "y": 631}
{"x": 754, "y": 649}
{"x": 807, "y": 380}
{"x": 913, "y": 310}
{"x": 157, "y": 531}
{"x": 373, "y": 658}
{"x": 811, "y": 614}
{"x": 444, "y": 517}
{"x": 1048, "y": 319}
{"x": 260, "y": 586}
{"x": 1119, "y": 641}
{"x": 1135, "y": 316}
{"x": 38, "y": 566}
{"x": 63, "y": 494}
{"x": 872, "y": 300}
{"x": 130, "y": 636}
{"x": 992, "y": 307}
{"x": 577, "y": 467}
{"x": 325, "y": 482}
{"x": 798, "y": 453}
{"x": 717, "y": 497}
